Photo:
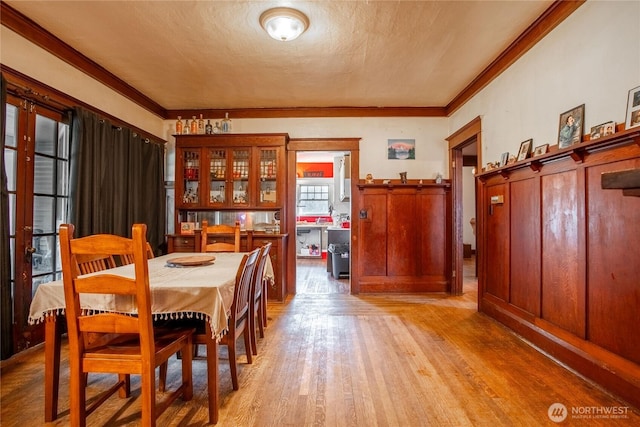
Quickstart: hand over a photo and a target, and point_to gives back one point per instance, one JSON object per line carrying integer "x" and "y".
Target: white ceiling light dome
{"x": 283, "y": 23}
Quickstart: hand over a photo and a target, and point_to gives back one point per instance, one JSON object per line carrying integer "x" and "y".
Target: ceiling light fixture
{"x": 283, "y": 23}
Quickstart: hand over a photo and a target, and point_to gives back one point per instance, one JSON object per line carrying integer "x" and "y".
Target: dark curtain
{"x": 116, "y": 180}
{"x": 5, "y": 254}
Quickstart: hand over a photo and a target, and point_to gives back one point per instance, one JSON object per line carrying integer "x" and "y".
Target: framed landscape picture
{"x": 633, "y": 108}
{"x": 525, "y": 149}
{"x": 571, "y": 127}
{"x": 401, "y": 149}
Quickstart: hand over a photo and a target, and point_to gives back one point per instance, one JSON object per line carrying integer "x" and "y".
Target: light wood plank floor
{"x": 333, "y": 359}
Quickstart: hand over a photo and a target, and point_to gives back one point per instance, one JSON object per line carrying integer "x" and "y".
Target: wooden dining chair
{"x": 112, "y": 342}
{"x": 258, "y": 294}
{"x": 218, "y": 232}
{"x": 238, "y": 324}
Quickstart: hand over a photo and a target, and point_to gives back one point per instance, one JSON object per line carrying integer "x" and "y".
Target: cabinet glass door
{"x": 190, "y": 176}
{"x": 268, "y": 170}
{"x": 217, "y": 177}
{"x": 240, "y": 176}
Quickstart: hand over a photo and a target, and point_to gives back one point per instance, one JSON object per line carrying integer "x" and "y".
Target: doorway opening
{"x": 323, "y": 217}
{"x": 465, "y": 153}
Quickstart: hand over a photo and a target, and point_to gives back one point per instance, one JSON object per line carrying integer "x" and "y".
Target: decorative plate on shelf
{"x": 189, "y": 261}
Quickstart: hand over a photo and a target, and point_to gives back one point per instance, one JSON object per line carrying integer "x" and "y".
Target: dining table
{"x": 195, "y": 289}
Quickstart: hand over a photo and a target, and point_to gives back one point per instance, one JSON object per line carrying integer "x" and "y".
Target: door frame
{"x": 466, "y": 135}
{"x": 351, "y": 145}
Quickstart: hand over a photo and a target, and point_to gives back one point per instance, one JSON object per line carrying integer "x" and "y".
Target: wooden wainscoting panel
{"x": 401, "y": 233}
{"x": 563, "y": 295}
{"x": 432, "y": 231}
{"x": 497, "y": 270}
{"x": 374, "y": 229}
{"x": 613, "y": 254}
{"x": 525, "y": 244}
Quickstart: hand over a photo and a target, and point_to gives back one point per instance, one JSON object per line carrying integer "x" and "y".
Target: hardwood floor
{"x": 333, "y": 359}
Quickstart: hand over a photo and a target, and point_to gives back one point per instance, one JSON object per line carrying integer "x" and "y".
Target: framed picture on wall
{"x": 504, "y": 159}
{"x": 633, "y": 108}
{"x": 525, "y": 149}
{"x": 540, "y": 150}
{"x": 571, "y": 127}
{"x": 603, "y": 129}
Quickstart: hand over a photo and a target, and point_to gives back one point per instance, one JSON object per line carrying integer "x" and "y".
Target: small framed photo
{"x": 603, "y": 129}
{"x": 187, "y": 227}
{"x": 504, "y": 159}
{"x": 571, "y": 127}
{"x": 540, "y": 150}
{"x": 633, "y": 108}
{"x": 525, "y": 149}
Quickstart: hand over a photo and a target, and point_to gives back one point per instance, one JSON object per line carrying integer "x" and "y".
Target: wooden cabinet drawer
{"x": 182, "y": 243}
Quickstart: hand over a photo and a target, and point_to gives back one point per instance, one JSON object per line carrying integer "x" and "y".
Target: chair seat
{"x": 127, "y": 347}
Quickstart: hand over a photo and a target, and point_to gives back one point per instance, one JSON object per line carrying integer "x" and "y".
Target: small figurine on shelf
{"x": 403, "y": 177}
{"x": 216, "y": 128}
{"x": 226, "y": 124}
{"x": 368, "y": 179}
{"x": 439, "y": 178}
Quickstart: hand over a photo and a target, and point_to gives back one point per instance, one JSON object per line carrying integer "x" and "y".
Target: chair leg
{"x": 125, "y": 390}
{"x": 162, "y": 382}
{"x": 261, "y": 317}
{"x": 264, "y": 302}
{"x": 252, "y": 331}
{"x": 233, "y": 363}
{"x": 247, "y": 344}
{"x": 148, "y": 397}
{"x": 187, "y": 376}
{"x": 77, "y": 397}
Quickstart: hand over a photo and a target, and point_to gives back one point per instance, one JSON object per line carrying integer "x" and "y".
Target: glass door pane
{"x": 240, "y": 170}
{"x": 217, "y": 176}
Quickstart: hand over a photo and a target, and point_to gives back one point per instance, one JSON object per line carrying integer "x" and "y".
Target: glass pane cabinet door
{"x": 268, "y": 171}
{"x": 240, "y": 176}
{"x": 190, "y": 176}
{"x": 217, "y": 176}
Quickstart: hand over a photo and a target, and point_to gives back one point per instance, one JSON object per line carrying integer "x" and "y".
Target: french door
{"x": 37, "y": 166}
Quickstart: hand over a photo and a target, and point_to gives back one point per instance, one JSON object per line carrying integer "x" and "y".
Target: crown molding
{"x": 39, "y": 36}
{"x": 551, "y": 18}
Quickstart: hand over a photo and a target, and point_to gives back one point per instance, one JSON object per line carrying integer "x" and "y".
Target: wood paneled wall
{"x": 405, "y": 237}
{"x": 559, "y": 259}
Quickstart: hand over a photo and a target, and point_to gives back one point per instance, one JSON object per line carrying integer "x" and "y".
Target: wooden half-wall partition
{"x": 559, "y": 258}
{"x": 405, "y": 236}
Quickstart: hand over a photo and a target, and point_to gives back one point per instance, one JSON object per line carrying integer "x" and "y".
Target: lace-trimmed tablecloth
{"x": 203, "y": 292}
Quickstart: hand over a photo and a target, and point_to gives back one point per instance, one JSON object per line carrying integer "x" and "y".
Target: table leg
{"x": 51, "y": 367}
{"x": 212, "y": 374}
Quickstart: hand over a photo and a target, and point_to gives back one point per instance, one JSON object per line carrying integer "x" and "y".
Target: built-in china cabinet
{"x": 229, "y": 178}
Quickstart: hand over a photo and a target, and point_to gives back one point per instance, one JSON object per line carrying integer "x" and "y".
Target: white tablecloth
{"x": 203, "y": 292}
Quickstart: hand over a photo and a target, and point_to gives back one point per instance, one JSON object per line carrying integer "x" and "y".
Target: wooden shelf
{"x": 578, "y": 152}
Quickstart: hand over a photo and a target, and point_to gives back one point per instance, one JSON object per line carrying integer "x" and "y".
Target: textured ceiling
{"x": 215, "y": 55}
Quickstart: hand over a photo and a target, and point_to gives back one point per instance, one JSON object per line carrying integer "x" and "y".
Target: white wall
{"x": 592, "y": 58}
